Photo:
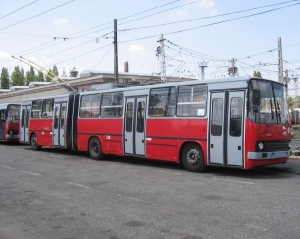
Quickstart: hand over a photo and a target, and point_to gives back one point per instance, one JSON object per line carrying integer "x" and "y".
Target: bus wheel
{"x": 95, "y": 150}
{"x": 192, "y": 158}
{"x": 34, "y": 142}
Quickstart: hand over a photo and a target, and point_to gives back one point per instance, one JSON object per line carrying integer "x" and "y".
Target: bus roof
{"x": 47, "y": 97}
{"x": 5, "y": 105}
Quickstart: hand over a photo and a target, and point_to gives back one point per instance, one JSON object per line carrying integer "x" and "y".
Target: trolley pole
{"x": 116, "y": 71}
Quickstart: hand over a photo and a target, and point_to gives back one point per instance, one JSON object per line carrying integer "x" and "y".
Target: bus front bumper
{"x": 269, "y": 155}
{"x": 12, "y": 136}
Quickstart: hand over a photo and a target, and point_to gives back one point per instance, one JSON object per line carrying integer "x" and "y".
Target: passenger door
{"x": 134, "y": 126}
{"x": 25, "y": 123}
{"x": 235, "y": 124}
{"x": 226, "y": 128}
{"x": 59, "y": 127}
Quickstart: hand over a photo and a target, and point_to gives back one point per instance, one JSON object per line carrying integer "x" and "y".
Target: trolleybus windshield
{"x": 267, "y": 102}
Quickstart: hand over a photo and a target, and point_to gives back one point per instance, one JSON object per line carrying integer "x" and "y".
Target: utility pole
{"x": 202, "y": 65}
{"x": 295, "y": 78}
{"x": 161, "y": 51}
{"x": 280, "y": 66}
{"x": 232, "y": 71}
{"x": 116, "y": 71}
{"x": 286, "y": 81}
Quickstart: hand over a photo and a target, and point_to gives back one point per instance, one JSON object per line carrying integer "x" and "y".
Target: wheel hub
{"x": 96, "y": 148}
{"x": 193, "y": 156}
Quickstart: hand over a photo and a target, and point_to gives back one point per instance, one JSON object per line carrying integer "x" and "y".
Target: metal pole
{"x": 163, "y": 62}
{"x": 280, "y": 66}
{"x": 116, "y": 71}
{"x": 202, "y": 65}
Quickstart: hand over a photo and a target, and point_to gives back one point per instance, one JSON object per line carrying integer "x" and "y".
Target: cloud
{"x": 207, "y": 3}
{"x": 61, "y": 21}
{"x": 213, "y": 12}
{"x": 138, "y": 49}
{"x": 181, "y": 14}
{"x": 4, "y": 55}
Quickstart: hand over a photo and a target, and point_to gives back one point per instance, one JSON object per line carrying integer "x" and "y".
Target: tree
{"x": 54, "y": 70}
{"x": 49, "y": 79}
{"x": 4, "y": 79}
{"x": 290, "y": 101}
{"x": 30, "y": 76}
{"x": 17, "y": 77}
{"x": 257, "y": 74}
{"x": 39, "y": 77}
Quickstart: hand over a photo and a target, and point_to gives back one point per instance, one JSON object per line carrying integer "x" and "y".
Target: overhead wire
{"x": 18, "y": 9}
{"x": 91, "y": 28}
{"x": 147, "y": 57}
{"x": 36, "y": 15}
{"x": 102, "y": 57}
{"x": 125, "y": 17}
{"x": 80, "y": 55}
{"x": 215, "y": 23}
{"x": 202, "y": 18}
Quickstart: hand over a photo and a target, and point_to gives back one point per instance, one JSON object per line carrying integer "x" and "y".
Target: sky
{"x": 79, "y": 33}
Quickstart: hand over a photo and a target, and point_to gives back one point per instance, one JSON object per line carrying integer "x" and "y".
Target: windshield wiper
{"x": 272, "y": 113}
{"x": 278, "y": 112}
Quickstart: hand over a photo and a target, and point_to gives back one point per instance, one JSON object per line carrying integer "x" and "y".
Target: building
{"x": 86, "y": 80}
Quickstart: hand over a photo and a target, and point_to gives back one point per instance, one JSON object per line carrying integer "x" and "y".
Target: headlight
{"x": 261, "y": 146}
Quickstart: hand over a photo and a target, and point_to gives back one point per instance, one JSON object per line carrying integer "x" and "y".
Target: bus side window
{"x": 217, "y": 117}
{"x": 2, "y": 118}
{"x": 162, "y": 102}
{"x": 56, "y": 116}
{"x": 236, "y": 109}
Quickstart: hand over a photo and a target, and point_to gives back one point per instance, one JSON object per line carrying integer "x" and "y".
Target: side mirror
{"x": 256, "y": 98}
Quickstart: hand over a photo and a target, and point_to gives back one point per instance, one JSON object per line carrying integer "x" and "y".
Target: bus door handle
{"x": 142, "y": 141}
{"x": 212, "y": 146}
{"x": 125, "y": 140}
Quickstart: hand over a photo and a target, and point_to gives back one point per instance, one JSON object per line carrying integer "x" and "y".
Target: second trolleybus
{"x": 9, "y": 122}
{"x": 234, "y": 122}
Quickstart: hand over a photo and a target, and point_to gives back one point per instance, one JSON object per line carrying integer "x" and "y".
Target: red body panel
{"x": 165, "y": 137}
{"x": 43, "y": 129}
{"x": 109, "y": 131}
{"x": 264, "y": 132}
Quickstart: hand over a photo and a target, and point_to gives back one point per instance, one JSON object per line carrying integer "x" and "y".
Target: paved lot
{"x": 57, "y": 194}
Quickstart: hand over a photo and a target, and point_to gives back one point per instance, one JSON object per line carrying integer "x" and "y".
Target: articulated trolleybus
{"x": 9, "y": 122}
{"x": 233, "y": 122}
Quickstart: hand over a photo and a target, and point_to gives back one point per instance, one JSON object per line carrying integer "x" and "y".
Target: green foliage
{"x": 30, "y": 76}
{"x": 4, "y": 79}
{"x": 17, "y": 77}
{"x": 54, "y": 70}
{"x": 290, "y": 101}
{"x": 39, "y": 77}
{"x": 257, "y": 74}
{"x": 49, "y": 79}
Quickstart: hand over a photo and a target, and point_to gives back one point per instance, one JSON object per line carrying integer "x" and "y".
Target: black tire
{"x": 192, "y": 158}
{"x": 95, "y": 149}
{"x": 34, "y": 142}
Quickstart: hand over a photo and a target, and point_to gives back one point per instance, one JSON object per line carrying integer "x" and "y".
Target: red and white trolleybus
{"x": 9, "y": 122}
{"x": 233, "y": 122}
